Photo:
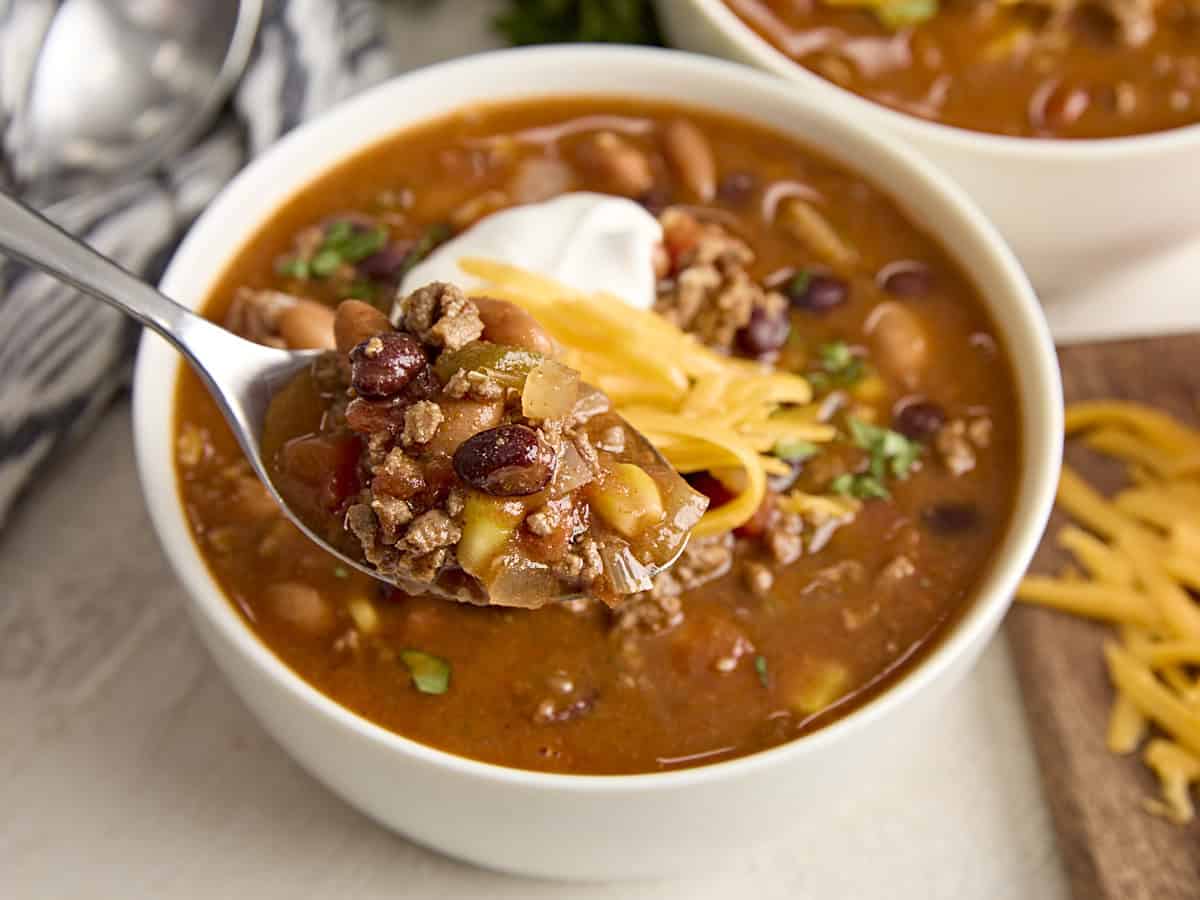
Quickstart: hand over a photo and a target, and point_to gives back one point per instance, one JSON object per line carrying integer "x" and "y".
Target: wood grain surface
{"x": 1112, "y": 848}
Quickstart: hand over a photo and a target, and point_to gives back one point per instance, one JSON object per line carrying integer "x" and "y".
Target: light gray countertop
{"x": 128, "y": 768}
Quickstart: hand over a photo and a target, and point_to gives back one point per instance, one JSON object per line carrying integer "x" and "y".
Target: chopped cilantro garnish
{"x": 760, "y": 666}
{"x": 798, "y": 284}
{"x": 891, "y": 452}
{"x": 292, "y": 267}
{"x": 325, "y": 263}
{"x": 430, "y": 674}
{"x": 341, "y": 572}
{"x": 891, "y": 455}
{"x": 839, "y": 366}
{"x": 345, "y": 244}
{"x": 863, "y": 486}
{"x": 426, "y": 243}
{"x": 361, "y": 290}
{"x": 794, "y": 450}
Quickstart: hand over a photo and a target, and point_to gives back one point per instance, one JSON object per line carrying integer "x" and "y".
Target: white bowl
{"x": 594, "y": 827}
{"x": 1072, "y": 210}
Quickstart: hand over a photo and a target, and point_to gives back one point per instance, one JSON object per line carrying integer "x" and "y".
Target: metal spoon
{"x": 242, "y": 376}
{"x": 122, "y": 85}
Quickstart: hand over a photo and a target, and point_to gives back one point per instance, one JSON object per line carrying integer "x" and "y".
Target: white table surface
{"x": 128, "y": 768}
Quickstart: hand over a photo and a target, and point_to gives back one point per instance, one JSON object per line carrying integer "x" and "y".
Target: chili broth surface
{"x": 580, "y": 689}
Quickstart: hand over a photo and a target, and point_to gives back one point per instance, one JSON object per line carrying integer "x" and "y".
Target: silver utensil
{"x": 242, "y": 376}
{"x": 119, "y": 86}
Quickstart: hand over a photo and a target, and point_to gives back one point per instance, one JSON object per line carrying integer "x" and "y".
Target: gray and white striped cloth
{"x": 62, "y": 356}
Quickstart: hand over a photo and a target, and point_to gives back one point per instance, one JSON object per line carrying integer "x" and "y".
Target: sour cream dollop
{"x": 590, "y": 242}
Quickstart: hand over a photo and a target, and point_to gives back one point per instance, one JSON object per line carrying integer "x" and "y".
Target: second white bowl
{"x": 1072, "y": 210}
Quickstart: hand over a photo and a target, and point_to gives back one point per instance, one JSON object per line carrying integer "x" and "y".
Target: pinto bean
{"x": 899, "y": 341}
{"x": 539, "y": 178}
{"x": 301, "y": 606}
{"x": 619, "y": 165}
{"x": 506, "y": 323}
{"x": 691, "y": 157}
{"x": 307, "y": 325}
{"x": 355, "y": 321}
{"x": 462, "y": 419}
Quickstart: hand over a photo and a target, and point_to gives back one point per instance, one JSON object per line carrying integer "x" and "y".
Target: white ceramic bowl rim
{"x": 154, "y": 393}
{"x": 1031, "y": 148}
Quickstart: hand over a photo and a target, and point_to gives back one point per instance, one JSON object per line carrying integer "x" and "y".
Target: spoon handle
{"x": 30, "y": 237}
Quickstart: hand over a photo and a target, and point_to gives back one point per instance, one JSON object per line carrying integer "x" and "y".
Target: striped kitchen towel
{"x": 63, "y": 356}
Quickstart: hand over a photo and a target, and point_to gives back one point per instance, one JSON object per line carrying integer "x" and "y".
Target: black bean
{"x": 656, "y": 199}
{"x": 905, "y": 279}
{"x": 765, "y": 333}
{"x": 506, "y": 461}
{"x": 387, "y": 263}
{"x": 919, "y": 419}
{"x": 816, "y": 293}
{"x": 951, "y": 518}
{"x": 382, "y": 366}
{"x": 736, "y": 188}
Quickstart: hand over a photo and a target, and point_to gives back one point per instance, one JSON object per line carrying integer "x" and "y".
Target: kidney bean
{"x": 386, "y": 264}
{"x": 919, "y": 419}
{"x": 736, "y": 188}
{"x": 951, "y": 518}
{"x": 905, "y": 278}
{"x": 656, "y": 199}
{"x": 371, "y": 416}
{"x": 383, "y": 365}
{"x": 711, "y": 487}
{"x": 507, "y": 461}
{"x": 817, "y": 293}
{"x": 766, "y": 331}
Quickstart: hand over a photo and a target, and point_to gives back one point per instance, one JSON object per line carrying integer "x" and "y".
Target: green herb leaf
{"x": 325, "y": 263}
{"x": 563, "y": 21}
{"x": 430, "y": 674}
{"x": 839, "y": 365}
{"x": 798, "y": 283}
{"x": 292, "y": 267}
{"x": 794, "y": 450}
{"x": 434, "y": 236}
{"x": 891, "y": 452}
{"x": 361, "y": 290}
{"x": 341, "y": 572}
{"x": 863, "y": 486}
{"x": 760, "y": 666}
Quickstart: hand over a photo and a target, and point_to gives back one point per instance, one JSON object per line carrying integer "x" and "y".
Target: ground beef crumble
{"x": 707, "y": 289}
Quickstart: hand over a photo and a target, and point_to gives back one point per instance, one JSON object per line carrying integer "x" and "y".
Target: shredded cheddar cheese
{"x": 1138, "y": 557}
{"x": 702, "y": 410}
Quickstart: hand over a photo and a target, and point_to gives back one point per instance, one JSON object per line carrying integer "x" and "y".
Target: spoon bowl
{"x": 121, "y": 85}
{"x": 242, "y": 376}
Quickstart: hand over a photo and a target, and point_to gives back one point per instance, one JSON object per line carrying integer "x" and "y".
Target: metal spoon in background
{"x": 242, "y": 376}
{"x": 119, "y": 86}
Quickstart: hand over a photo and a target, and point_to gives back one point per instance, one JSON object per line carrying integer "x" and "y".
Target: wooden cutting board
{"x": 1112, "y": 848}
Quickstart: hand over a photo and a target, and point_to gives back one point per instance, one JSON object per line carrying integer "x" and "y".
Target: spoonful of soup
{"x": 449, "y": 454}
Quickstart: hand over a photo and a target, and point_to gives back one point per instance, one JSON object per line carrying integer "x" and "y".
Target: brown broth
{"x": 649, "y": 702}
{"x": 950, "y": 68}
